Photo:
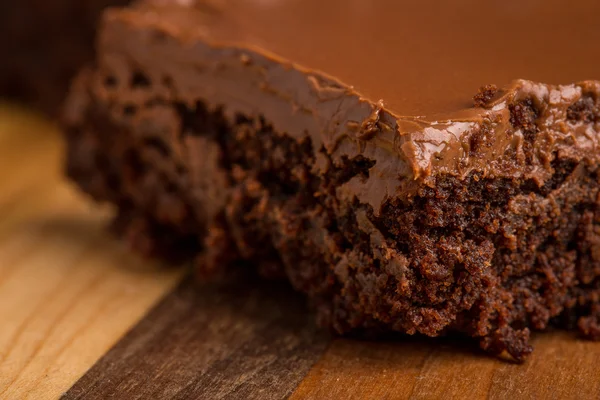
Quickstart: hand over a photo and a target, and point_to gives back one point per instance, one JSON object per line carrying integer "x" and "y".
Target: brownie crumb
{"x": 509, "y": 344}
{"x": 590, "y": 327}
{"x": 523, "y": 115}
{"x": 140, "y": 80}
{"x": 111, "y": 81}
{"x": 584, "y": 110}
{"x": 485, "y": 95}
{"x": 129, "y": 110}
{"x": 481, "y": 138}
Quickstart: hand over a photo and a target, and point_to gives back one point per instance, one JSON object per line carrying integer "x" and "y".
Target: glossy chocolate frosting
{"x": 390, "y": 80}
{"x": 419, "y": 57}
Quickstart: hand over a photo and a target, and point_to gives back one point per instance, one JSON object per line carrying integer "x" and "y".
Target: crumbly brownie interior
{"x": 488, "y": 257}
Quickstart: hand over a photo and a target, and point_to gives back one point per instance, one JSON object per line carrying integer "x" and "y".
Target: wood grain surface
{"x": 562, "y": 367}
{"x": 69, "y": 292}
{"x": 246, "y": 339}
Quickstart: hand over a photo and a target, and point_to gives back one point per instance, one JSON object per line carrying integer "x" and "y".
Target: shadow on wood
{"x": 243, "y": 340}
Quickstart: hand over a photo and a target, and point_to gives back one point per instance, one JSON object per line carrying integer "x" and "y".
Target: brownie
{"x": 397, "y": 162}
{"x": 43, "y": 44}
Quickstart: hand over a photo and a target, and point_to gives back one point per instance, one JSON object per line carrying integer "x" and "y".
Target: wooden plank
{"x": 67, "y": 294}
{"x": 68, "y": 291}
{"x": 562, "y": 367}
{"x": 246, "y": 340}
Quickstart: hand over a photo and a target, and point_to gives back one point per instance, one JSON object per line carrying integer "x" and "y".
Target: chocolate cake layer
{"x": 43, "y": 44}
{"x": 227, "y": 131}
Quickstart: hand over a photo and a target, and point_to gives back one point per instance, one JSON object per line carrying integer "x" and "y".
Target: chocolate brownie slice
{"x": 43, "y": 44}
{"x": 227, "y": 131}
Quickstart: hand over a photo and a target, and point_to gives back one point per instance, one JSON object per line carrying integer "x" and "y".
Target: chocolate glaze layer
{"x": 401, "y": 59}
{"x": 420, "y": 57}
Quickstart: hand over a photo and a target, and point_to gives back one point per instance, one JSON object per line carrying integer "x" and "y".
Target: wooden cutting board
{"x": 83, "y": 318}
